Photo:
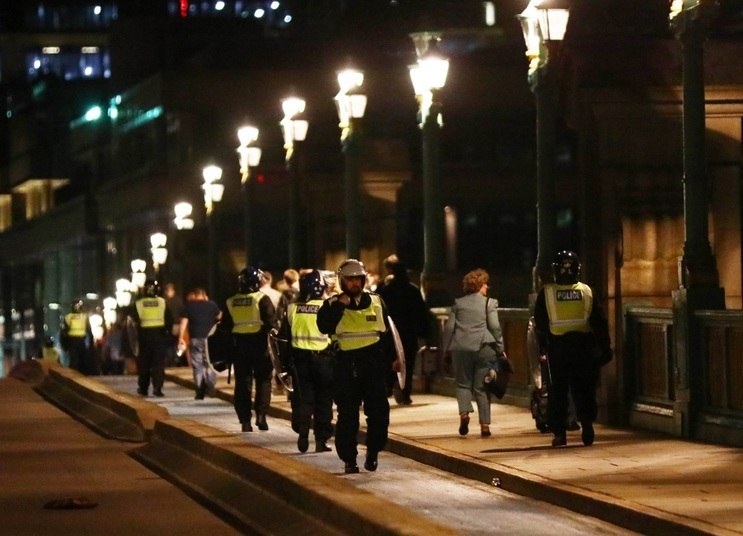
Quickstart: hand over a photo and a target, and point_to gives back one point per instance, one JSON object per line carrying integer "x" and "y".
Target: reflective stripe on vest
{"x": 78, "y": 323}
{"x": 303, "y": 321}
{"x": 151, "y": 312}
{"x": 568, "y": 307}
{"x": 245, "y": 312}
{"x": 358, "y": 329}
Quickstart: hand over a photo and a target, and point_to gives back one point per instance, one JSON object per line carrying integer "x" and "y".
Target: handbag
{"x": 502, "y": 367}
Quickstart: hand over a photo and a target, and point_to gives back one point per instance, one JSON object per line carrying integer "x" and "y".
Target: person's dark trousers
{"x": 251, "y": 363}
{"x": 151, "y": 362}
{"x": 312, "y": 400}
{"x": 410, "y": 347}
{"x": 77, "y": 351}
{"x": 360, "y": 377}
{"x": 572, "y": 370}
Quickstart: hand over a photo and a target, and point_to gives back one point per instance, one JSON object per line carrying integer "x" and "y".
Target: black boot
{"x": 587, "y": 435}
{"x": 321, "y": 446}
{"x": 303, "y": 443}
{"x": 260, "y": 421}
{"x": 351, "y": 468}
{"x": 371, "y": 461}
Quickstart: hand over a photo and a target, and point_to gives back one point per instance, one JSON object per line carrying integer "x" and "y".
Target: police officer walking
{"x": 573, "y": 337}
{"x": 310, "y": 363}
{"x": 77, "y": 337}
{"x": 251, "y": 314}
{"x": 153, "y": 319}
{"x": 358, "y": 320}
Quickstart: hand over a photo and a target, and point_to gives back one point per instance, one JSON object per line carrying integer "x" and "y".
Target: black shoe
{"x": 159, "y": 393}
{"x": 200, "y": 391}
{"x": 559, "y": 440}
{"x": 142, "y": 392}
{"x": 260, "y": 421}
{"x": 406, "y": 401}
{"x": 351, "y": 468}
{"x": 573, "y": 426}
{"x": 371, "y": 461}
{"x": 587, "y": 435}
{"x": 303, "y": 443}
{"x": 246, "y": 427}
{"x": 464, "y": 425}
{"x": 320, "y": 446}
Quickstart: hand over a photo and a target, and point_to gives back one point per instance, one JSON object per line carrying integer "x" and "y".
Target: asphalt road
{"x": 470, "y": 507}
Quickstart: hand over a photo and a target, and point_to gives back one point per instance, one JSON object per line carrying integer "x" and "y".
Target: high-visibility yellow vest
{"x": 245, "y": 312}
{"x": 568, "y": 307}
{"x": 151, "y": 312}
{"x": 360, "y": 328}
{"x": 77, "y": 324}
{"x": 303, "y": 321}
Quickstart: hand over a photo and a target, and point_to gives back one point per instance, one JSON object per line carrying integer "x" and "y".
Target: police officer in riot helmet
{"x": 573, "y": 336}
{"x": 250, "y": 315}
{"x": 358, "y": 320}
{"x": 310, "y": 362}
{"x": 153, "y": 319}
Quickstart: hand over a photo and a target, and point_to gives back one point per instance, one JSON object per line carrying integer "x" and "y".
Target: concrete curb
{"x": 111, "y": 413}
{"x": 264, "y": 491}
{"x": 623, "y": 513}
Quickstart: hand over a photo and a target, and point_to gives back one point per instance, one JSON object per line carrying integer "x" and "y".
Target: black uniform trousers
{"x": 251, "y": 362}
{"x": 312, "y": 399}
{"x": 573, "y": 369}
{"x": 359, "y": 377}
{"x": 153, "y": 344}
{"x": 77, "y": 351}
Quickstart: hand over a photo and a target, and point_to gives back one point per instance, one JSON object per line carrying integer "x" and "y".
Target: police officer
{"x": 310, "y": 362}
{"x": 77, "y": 336}
{"x": 358, "y": 320}
{"x": 251, "y": 315}
{"x": 153, "y": 319}
{"x": 573, "y": 335}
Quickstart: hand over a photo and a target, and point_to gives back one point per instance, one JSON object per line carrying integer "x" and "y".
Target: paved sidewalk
{"x": 647, "y": 483}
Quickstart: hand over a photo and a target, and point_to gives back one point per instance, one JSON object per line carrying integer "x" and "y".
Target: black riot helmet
{"x": 249, "y": 280}
{"x": 566, "y": 267}
{"x": 311, "y": 286}
{"x": 151, "y": 288}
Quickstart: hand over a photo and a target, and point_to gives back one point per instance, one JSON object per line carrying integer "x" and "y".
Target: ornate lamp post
{"x": 138, "y": 273}
{"x": 429, "y": 77}
{"x": 159, "y": 251}
{"x": 543, "y": 21}
{"x": 294, "y": 127}
{"x": 690, "y": 21}
{"x": 351, "y": 104}
{"x": 213, "y": 191}
{"x": 250, "y": 156}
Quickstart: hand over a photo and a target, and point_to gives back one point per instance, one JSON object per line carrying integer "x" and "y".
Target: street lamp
{"x": 123, "y": 292}
{"x": 294, "y": 128}
{"x": 213, "y": 191}
{"x": 159, "y": 251}
{"x": 138, "y": 273}
{"x": 542, "y": 22}
{"x": 250, "y": 156}
{"x": 351, "y": 104}
{"x": 429, "y": 76}
{"x": 183, "y": 220}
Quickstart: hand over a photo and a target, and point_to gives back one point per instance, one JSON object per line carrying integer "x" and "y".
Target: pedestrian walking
{"x": 199, "y": 316}
{"x": 474, "y": 338}
{"x": 358, "y": 320}
{"x": 175, "y": 305}
{"x": 573, "y": 336}
{"x": 153, "y": 320}
{"x": 310, "y": 361}
{"x": 250, "y": 316}
{"x": 410, "y": 314}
